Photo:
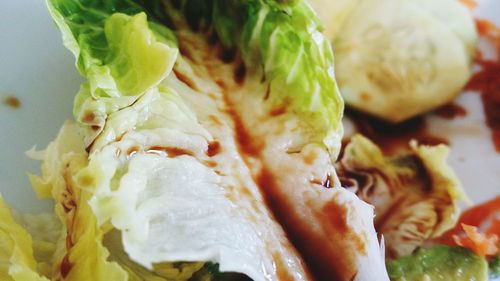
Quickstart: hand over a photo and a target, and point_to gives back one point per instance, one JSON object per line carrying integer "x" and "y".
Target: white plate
{"x": 35, "y": 67}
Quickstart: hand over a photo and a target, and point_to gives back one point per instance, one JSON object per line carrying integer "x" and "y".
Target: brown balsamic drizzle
{"x": 211, "y": 164}
{"x": 317, "y": 255}
{"x": 310, "y": 157}
{"x": 65, "y": 266}
{"x": 186, "y": 79}
{"x": 450, "y": 111}
{"x": 170, "y": 151}
{"x": 320, "y": 259}
{"x": 316, "y": 181}
{"x": 12, "y": 101}
{"x": 240, "y": 72}
{"x": 227, "y": 55}
{"x": 393, "y": 138}
{"x": 69, "y": 207}
{"x": 88, "y": 117}
{"x": 283, "y": 274}
{"x": 246, "y": 143}
{"x": 487, "y": 80}
{"x": 280, "y": 110}
{"x": 213, "y": 148}
{"x": 326, "y": 183}
{"x": 337, "y": 214}
{"x": 133, "y": 150}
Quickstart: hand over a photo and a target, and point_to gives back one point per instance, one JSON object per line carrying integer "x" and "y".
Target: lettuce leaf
{"x": 146, "y": 170}
{"x": 121, "y": 54}
{"x": 45, "y": 230}
{"x": 86, "y": 250}
{"x": 117, "y": 50}
{"x": 80, "y": 254}
{"x": 281, "y": 42}
{"x": 415, "y": 195}
{"x": 16, "y": 255}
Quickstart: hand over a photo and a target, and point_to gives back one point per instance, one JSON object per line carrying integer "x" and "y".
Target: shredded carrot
{"x": 488, "y": 30}
{"x": 477, "y": 216}
{"x": 494, "y": 227}
{"x": 481, "y": 244}
{"x": 470, "y": 4}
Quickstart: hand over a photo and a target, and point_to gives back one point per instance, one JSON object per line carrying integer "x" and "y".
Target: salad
{"x": 207, "y": 144}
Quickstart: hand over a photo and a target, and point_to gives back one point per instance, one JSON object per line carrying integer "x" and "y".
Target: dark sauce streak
{"x": 221, "y": 83}
{"x": 268, "y": 92}
{"x": 65, "y": 266}
{"x": 393, "y": 138}
{"x": 337, "y": 215}
{"x": 316, "y": 181}
{"x": 185, "y": 51}
{"x": 240, "y": 72}
{"x": 450, "y": 111}
{"x": 211, "y": 164}
{"x": 133, "y": 150}
{"x": 186, "y": 79}
{"x": 357, "y": 179}
{"x": 309, "y": 241}
{"x": 487, "y": 80}
{"x": 317, "y": 255}
{"x": 246, "y": 143}
{"x": 120, "y": 137}
{"x": 227, "y": 55}
{"x": 327, "y": 182}
{"x": 70, "y": 207}
{"x": 278, "y": 111}
{"x": 345, "y": 142}
{"x": 212, "y": 38}
{"x": 170, "y": 151}
{"x": 213, "y": 148}
{"x": 335, "y": 261}
{"x": 423, "y": 176}
{"x": 88, "y": 117}
{"x": 283, "y": 274}
{"x": 12, "y": 101}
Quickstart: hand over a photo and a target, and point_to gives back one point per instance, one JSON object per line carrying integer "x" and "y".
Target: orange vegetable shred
{"x": 481, "y": 244}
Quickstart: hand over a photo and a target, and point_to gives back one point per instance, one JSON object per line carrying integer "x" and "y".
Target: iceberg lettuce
{"x": 17, "y": 262}
{"x": 198, "y": 123}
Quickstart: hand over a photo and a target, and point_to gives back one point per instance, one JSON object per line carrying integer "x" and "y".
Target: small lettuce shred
{"x": 17, "y": 262}
{"x": 415, "y": 195}
{"x": 45, "y": 230}
{"x": 80, "y": 254}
